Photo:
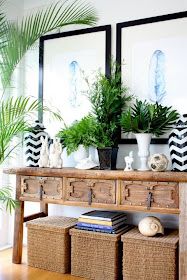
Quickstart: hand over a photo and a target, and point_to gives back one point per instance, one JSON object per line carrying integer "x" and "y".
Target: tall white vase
{"x": 143, "y": 140}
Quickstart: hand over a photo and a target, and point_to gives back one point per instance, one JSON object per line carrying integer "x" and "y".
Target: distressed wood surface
{"x": 183, "y": 231}
{"x": 167, "y": 176}
{"x": 112, "y": 196}
{"x": 90, "y": 190}
{"x": 162, "y": 194}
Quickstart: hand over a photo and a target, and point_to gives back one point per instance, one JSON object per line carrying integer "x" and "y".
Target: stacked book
{"x": 103, "y": 221}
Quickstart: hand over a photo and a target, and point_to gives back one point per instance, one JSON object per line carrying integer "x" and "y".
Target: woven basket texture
{"x": 146, "y": 258}
{"x": 96, "y": 255}
{"x": 49, "y": 244}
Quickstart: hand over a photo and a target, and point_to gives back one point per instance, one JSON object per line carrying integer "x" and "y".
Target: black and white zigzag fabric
{"x": 33, "y": 144}
{"x": 178, "y": 145}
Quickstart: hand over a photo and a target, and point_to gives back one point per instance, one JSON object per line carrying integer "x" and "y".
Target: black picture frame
{"x": 43, "y": 39}
{"x": 142, "y": 22}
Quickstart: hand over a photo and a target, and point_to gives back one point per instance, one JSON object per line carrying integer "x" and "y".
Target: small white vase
{"x": 80, "y": 154}
{"x": 143, "y": 140}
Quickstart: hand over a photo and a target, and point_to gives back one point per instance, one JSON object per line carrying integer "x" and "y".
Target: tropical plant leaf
{"x": 20, "y": 37}
{"x": 109, "y": 97}
{"x": 16, "y": 115}
{"x": 3, "y": 25}
{"x": 144, "y": 117}
{"x": 79, "y": 133}
{"x": 7, "y": 200}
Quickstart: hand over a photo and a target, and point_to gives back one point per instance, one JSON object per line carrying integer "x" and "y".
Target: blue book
{"x": 98, "y": 226}
{"x": 122, "y": 229}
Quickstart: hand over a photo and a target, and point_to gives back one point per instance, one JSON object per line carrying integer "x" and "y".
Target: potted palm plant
{"x": 108, "y": 97}
{"x": 144, "y": 120}
{"x": 15, "y": 40}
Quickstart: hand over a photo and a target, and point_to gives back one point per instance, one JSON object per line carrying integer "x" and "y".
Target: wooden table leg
{"x": 183, "y": 232}
{"x": 44, "y": 208}
{"x": 18, "y": 226}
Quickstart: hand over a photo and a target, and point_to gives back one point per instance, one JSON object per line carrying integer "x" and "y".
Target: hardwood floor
{"x": 10, "y": 271}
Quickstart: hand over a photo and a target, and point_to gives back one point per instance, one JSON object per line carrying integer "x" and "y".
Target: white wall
{"x": 14, "y": 10}
{"x": 110, "y": 12}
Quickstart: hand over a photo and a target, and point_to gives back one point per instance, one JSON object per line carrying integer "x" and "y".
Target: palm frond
{"x": 16, "y": 115}
{"x": 3, "y": 25}
{"x": 21, "y": 37}
{"x": 144, "y": 117}
{"x": 7, "y": 200}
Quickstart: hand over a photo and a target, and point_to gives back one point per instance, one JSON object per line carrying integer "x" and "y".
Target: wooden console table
{"x": 158, "y": 192}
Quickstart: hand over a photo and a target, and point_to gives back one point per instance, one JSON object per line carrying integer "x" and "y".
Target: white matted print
{"x": 67, "y": 60}
{"x": 154, "y": 59}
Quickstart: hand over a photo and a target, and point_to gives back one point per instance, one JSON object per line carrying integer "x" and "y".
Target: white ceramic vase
{"x": 143, "y": 141}
{"x": 80, "y": 154}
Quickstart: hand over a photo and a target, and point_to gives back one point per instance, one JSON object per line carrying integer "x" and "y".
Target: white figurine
{"x": 44, "y": 153}
{"x": 55, "y": 160}
{"x": 128, "y": 161}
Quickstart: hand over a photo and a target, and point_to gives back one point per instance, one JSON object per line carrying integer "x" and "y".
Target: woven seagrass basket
{"x": 96, "y": 255}
{"x": 49, "y": 244}
{"x": 146, "y": 258}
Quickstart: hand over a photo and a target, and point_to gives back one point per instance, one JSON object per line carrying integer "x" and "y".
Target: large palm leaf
{"x": 16, "y": 115}
{"x": 6, "y": 198}
{"x": 3, "y": 25}
{"x": 20, "y": 37}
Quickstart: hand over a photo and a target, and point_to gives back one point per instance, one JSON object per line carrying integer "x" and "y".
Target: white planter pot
{"x": 143, "y": 141}
{"x": 80, "y": 154}
{"x": 94, "y": 154}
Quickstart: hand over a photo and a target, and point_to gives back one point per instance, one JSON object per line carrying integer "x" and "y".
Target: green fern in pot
{"x": 108, "y": 97}
{"x": 79, "y": 133}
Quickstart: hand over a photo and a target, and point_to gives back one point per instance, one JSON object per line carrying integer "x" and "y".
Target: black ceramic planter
{"x": 108, "y": 157}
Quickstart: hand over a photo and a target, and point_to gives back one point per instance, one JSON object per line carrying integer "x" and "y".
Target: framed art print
{"x": 66, "y": 60}
{"x": 153, "y": 57}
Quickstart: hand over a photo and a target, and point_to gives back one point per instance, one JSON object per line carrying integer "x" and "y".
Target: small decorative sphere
{"x": 158, "y": 162}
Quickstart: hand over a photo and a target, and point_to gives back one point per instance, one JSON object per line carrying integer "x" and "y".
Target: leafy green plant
{"x": 144, "y": 117}
{"x": 6, "y": 199}
{"x": 16, "y": 115}
{"x": 79, "y": 133}
{"x": 103, "y": 134}
{"x": 108, "y": 97}
{"x": 18, "y": 37}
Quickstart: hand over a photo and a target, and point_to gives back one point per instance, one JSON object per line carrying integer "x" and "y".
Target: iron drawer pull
{"x": 90, "y": 196}
{"x": 149, "y": 200}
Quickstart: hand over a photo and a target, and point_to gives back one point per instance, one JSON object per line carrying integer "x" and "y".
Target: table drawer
{"x": 41, "y": 187}
{"x": 90, "y": 190}
{"x": 149, "y": 194}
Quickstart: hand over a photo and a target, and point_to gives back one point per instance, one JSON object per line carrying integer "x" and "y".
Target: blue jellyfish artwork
{"x": 74, "y": 71}
{"x": 157, "y": 84}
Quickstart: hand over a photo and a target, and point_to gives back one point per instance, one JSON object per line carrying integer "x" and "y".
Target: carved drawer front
{"x": 150, "y": 194}
{"x": 30, "y": 187}
{"x": 90, "y": 190}
{"x": 104, "y": 191}
{"x": 52, "y": 188}
{"x": 41, "y": 187}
